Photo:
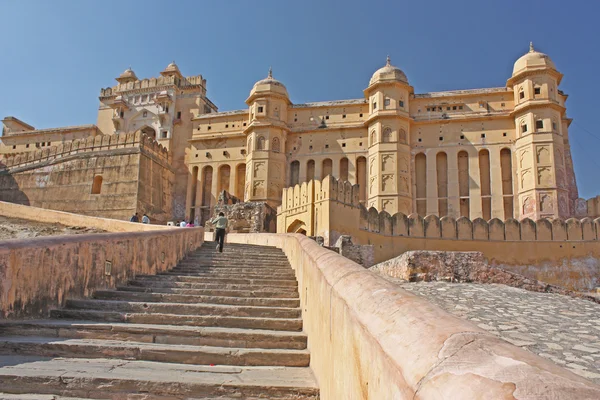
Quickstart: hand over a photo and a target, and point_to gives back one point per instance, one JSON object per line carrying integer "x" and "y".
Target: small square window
{"x": 360, "y": 144}
{"x": 343, "y": 144}
{"x": 344, "y": 116}
{"x": 209, "y": 128}
{"x": 537, "y": 90}
{"x": 310, "y": 147}
{"x": 439, "y": 108}
{"x": 441, "y": 138}
{"x": 502, "y": 104}
{"x": 386, "y": 102}
{"x": 327, "y": 117}
{"x": 447, "y": 108}
{"x": 539, "y": 124}
{"x": 295, "y": 119}
{"x": 27, "y": 145}
{"x": 483, "y": 135}
{"x": 196, "y": 155}
{"x": 326, "y": 146}
{"x": 360, "y": 115}
{"x": 49, "y": 143}
{"x": 245, "y": 123}
{"x": 428, "y": 109}
{"x": 374, "y": 105}
{"x": 226, "y": 125}
{"x": 261, "y": 109}
{"x": 294, "y": 148}
{"x": 460, "y": 107}
{"x": 14, "y": 146}
{"x": 462, "y": 136}
{"x": 453, "y": 108}
{"x": 521, "y": 95}
{"x": 401, "y": 104}
{"x": 523, "y": 128}
{"x": 504, "y": 134}
{"x": 420, "y": 140}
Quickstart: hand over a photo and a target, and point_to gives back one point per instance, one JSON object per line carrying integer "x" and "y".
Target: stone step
{"x": 117, "y": 379}
{"x": 165, "y": 334}
{"x": 236, "y": 270}
{"x": 186, "y": 298}
{"x": 277, "y": 324}
{"x": 263, "y": 292}
{"x": 236, "y": 263}
{"x": 212, "y": 253}
{"x": 218, "y": 274}
{"x": 183, "y": 308}
{"x": 167, "y": 353}
{"x": 197, "y": 285}
{"x": 209, "y": 278}
{"x": 37, "y": 396}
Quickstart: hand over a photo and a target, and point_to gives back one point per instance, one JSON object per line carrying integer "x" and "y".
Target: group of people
{"x": 219, "y": 222}
{"x": 136, "y": 218}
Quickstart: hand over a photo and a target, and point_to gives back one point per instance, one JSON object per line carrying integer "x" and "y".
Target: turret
{"x": 266, "y": 137}
{"x": 542, "y": 189}
{"x": 389, "y": 184}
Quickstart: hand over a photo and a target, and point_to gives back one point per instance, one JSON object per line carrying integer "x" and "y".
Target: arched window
{"x": 373, "y": 137}
{"x": 387, "y": 135}
{"x": 250, "y": 144}
{"x": 276, "y": 147}
{"x": 294, "y": 173}
{"x": 523, "y": 127}
{"x": 402, "y": 136}
{"x": 260, "y": 143}
{"x": 97, "y": 184}
{"x": 521, "y": 93}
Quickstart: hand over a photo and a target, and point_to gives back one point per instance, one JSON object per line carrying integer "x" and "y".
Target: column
{"x": 214, "y": 190}
{"x": 352, "y": 178}
{"x": 453, "y": 193}
{"x": 318, "y": 168}
{"x": 302, "y": 172}
{"x": 432, "y": 192}
{"x": 335, "y": 167}
{"x": 496, "y": 183}
{"x": 475, "y": 187}
{"x": 232, "y": 179}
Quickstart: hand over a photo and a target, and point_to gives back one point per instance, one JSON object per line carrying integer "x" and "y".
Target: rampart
{"x": 39, "y": 274}
{"x": 370, "y": 339}
{"x": 111, "y": 176}
{"x": 564, "y": 253}
{"x": 189, "y": 81}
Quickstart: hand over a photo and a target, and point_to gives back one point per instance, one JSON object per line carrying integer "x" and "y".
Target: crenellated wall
{"x": 564, "y": 253}
{"x": 111, "y": 176}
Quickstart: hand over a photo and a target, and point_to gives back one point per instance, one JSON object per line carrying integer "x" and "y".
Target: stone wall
{"x": 108, "y": 176}
{"x": 360, "y": 254}
{"x": 369, "y": 337}
{"x": 41, "y": 273}
{"x": 456, "y": 266}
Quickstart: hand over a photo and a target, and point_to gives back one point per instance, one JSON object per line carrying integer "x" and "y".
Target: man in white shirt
{"x": 220, "y": 224}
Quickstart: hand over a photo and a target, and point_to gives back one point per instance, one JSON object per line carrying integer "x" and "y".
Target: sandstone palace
{"x": 160, "y": 147}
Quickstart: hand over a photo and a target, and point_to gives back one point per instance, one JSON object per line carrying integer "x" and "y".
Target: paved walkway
{"x": 563, "y": 329}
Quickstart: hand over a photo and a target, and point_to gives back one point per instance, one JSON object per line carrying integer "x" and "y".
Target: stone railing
{"x": 92, "y": 143}
{"x": 479, "y": 229}
{"x": 370, "y": 339}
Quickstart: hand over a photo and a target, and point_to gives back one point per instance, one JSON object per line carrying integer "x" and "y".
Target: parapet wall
{"x": 92, "y": 143}
{"x": 154, "y": 82}
{"x": 369, "y": 339}
{"x": 41, "y": 273}
{"x": 479, "y": 229}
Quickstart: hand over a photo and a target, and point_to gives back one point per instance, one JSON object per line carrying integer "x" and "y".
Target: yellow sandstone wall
{"x": 110, "y": 176}
{"x": 370, "y": 339}
{"x": 564, "y": 253}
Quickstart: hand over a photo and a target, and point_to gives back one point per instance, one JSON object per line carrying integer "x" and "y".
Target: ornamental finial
{"x": 270, "y": 72}
{"x": 531, "y": 49}
{"x": 388, "y": 61}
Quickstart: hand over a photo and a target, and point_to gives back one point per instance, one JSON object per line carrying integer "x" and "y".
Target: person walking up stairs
{"x": 218, "y": 325}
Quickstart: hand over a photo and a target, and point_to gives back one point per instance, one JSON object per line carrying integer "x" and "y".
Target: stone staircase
{"x": 217, "y": 326}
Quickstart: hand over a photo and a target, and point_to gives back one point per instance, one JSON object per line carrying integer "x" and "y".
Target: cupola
{"x": 127, "y": 76}
{"x": 388, "y": 73}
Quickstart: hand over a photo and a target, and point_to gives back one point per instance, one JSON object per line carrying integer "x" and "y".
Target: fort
{"x": 472, "y": 186}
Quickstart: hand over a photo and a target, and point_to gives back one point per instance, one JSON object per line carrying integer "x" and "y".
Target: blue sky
{"x": 56, "y": 55}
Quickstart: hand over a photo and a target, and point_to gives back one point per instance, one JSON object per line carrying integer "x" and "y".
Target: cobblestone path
{"x": 563, "y": 329}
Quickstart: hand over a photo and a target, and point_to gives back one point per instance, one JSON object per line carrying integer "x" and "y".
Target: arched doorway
{"x": 297, "y": 227}
{"x": 149, "y": 131}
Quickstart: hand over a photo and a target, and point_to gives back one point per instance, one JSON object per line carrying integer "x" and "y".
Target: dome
{"x": 171, "y": 70}
{"x": 269, "y": 84}
{"x": 128, "y": 74}
{"x": 388, "y": 73}
{"x": 533, "y": 59}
